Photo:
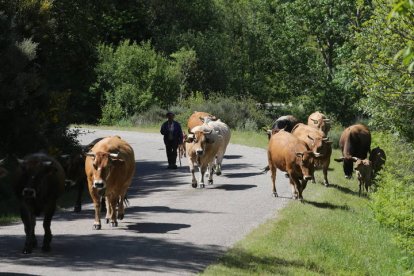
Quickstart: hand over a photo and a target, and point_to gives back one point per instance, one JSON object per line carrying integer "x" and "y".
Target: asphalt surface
{"x": 169, "y": 227}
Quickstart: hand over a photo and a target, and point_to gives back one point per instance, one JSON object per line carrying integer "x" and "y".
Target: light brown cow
{"x": 288, "y": 153}
{"x": 202, "y": 147}
{"x": 318, "y": 120}
{"x": 194, "y": 120}
{"x": 319, "y": 144}
{"x": 363, "y": 168}
{"x": 109, "y": 167}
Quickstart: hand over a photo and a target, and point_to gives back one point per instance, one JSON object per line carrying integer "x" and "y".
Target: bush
{"x": 393, "y": 203}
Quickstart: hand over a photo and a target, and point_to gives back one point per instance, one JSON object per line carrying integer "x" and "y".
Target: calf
{"x": 40, "y": 181}
{"x": 290, "y": 154}
{"x": 363, "y": 170}
{"x": 202, "y": 147}
{"x": 109, "y": 167}
{"x": 319, "y": 144}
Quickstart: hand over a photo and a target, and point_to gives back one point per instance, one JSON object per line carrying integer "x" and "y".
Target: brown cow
{"x": 363, "y": 170}
{"x": 202, "y": 147}
{"x": 109, "y": 167}
{"x": 194, "y": 120}
{"x": 319, "y": 144}
{"x": 377, "y": 157}
{"x": 290, "y": 154}
{"x": 39, "y": 182}
{"x": 355, "y": 141}
{"x": 74, "y": 166}
{"x": 318, "y": 120}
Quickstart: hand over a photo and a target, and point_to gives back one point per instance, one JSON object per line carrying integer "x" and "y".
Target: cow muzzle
{"x": 307, "y": 177}
{"x": 98, "y": 184}
{"x": 29, "y": 193}
{"x": 199, "y": 152}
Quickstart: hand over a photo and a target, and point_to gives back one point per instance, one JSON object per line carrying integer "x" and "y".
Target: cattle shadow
{"x": 156, "y": 228}
{"x": 234, "y": 187}
{"x": 232, "y": 156}
{"x": 343, "y": 189}
{"x": 327, "y": 205}
{"x": 134, "y": 253}
{"x": 242, "y": 175}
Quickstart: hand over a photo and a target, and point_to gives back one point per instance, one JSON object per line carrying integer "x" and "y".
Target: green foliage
{"x": 393, "y": 202}
{"x": 131, "y": 78}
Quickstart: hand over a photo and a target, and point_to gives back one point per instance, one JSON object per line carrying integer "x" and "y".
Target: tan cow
{"x": 319, "y": 144}
{"x": 318, "y": 120}
{"x": 109, "y": 167}
{"x": 363, "y": 168}
{"x": 288, "y": 153}
{"x": 194, "y": 120}
{"x": 202, "y": 147}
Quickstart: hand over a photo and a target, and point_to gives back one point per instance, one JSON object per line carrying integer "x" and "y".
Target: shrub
{"x": 393, "y": 203}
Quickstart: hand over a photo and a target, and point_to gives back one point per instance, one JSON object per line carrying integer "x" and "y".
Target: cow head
{"x": 103, "y": 163}
{"x": 320, "y": 145}
{"x": 306, "y": 163}
{"x": 33, "y": 175}
{"x": 201, "y": 140}
{"x": 348, "y": 165}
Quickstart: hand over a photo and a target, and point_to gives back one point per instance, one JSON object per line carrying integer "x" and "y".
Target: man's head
{"x": 170, "y": 115}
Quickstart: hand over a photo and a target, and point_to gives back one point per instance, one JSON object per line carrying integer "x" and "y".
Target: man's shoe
{"x": 174, "y": 167}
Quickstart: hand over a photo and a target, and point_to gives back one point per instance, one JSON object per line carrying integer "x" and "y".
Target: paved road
{"x": 169, "y": 227}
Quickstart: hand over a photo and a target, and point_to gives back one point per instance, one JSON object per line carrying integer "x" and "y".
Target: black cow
{"x": 286, "y": 123}
{"x": 355, "y": 143}
{"x": 74, "y": 166}
{"x": 39, "y": 182}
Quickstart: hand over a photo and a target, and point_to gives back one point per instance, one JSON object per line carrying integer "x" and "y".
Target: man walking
{"x": 173, "y": 136}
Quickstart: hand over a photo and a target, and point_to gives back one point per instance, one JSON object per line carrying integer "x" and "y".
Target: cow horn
{"x": 2, "y": 161}
{"x": 311, "y": 138}
{"x": 47, "y": 163}
{"x": 317, "y": 154}
{"x": 91, "y": 153}
{"x": 325, "y": 139}
{"x": 114, "y": 155}
{"x": 354, "y": 158}
{"x": 21, "y": 161}
{"x": 326, "y": 120}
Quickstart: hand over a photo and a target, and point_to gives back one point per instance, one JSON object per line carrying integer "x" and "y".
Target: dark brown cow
{"x": 40, "y": 181}
{"x": 109, "y": 167}
{"x": 202, "y": 147}
{"x": 74, "y": 166}
{"x": 318, "y": 120}
{"x": 290, "y": 154}
{"x": 319, "y": 144}
{"x": 287, "y": 123}
{"x": 363, "y": 170}
{"x": 378, "y": 158}
{"x": 355, "y": 141}
{"x": 194, "y": 120}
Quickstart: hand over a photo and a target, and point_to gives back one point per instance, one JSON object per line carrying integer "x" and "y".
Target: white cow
{"x": 224, "y": 131}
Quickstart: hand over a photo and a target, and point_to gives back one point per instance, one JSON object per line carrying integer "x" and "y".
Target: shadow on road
{"x": 242, "y": 175}
{"x": 234, "y": 187}
{"x": 107, "y": 251}
{"x": 232, "y": 156}
{"x": 154, "y": 227}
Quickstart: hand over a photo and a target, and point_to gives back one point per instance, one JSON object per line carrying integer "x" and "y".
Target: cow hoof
{"x": 27, "y": 251}
{"x": 210, "y": 182}
{"x": 46, "y": 248}
{"x": 120, "y": 216}
{"x": 194, "y": 185}
{"x": 114, "y": 224}
{"x": 275, "y": 194}
{"x": 77, "y": 209}
{"x": 201, "y": 186}
{"x": 326, "y": 184}
{"x": 107, "y": 220}
{"x": 218, "y": 173}
{"x": 97, "y": 227}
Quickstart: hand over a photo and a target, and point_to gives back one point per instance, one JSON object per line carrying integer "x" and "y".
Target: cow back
{"x": 194, "y": 119}
{"x": 355, "y": 141}
{"x": 286, "y": 122}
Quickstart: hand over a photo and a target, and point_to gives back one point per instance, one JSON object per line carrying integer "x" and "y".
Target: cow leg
{"x": 29, "y": 221}
{"x": 113, "y": 200}
{"x": 96, "y": 198}
{"x": 49, "y": 212}
{"x": 325, "y": 173}
{"x": 219, "y": 160}
{"x": 78, "y": 202}
{"x": 108, "y": 210}
{"x": 121, "y": 207}
{"x": 203, "y": 169}
{"x": 294, "y": 187}
{"x": 193, "y": 178}
{"x": 210, "y": 177}
{"x": 360, "y": 187}
{"x": 273, "y": 172}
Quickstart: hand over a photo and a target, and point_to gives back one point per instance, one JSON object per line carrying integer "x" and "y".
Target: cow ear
{"x": 299, "y": 154}
{"x": 339, "y": 159}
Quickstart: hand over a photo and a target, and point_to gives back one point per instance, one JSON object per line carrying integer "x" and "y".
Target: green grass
{"x": 332, "y": 233}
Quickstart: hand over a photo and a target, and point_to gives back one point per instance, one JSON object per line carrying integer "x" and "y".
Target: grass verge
{"x": 332, "y": 233}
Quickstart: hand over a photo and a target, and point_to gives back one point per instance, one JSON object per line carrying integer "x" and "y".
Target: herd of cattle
{"x": 108, "y": 166}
